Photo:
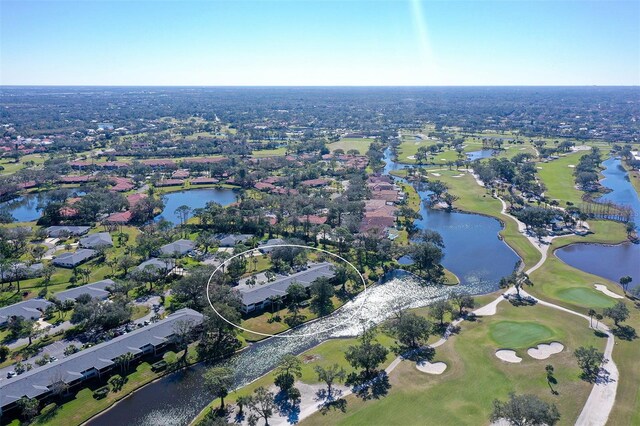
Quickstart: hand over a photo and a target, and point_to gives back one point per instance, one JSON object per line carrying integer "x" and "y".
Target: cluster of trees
{"x": 586, "y": 171}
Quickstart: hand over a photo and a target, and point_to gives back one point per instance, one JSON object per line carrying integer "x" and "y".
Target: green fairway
{"x": 361, "y": 144}
{"x": 586, "y": 297}
{"x": 276, "y": 152}
{"x": 515, "y": 334}
{"x": 464, "y": 393}
{"x": 558, "y": 178}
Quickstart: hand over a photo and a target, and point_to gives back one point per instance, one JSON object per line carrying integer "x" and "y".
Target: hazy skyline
{"x": 319, "y": 42}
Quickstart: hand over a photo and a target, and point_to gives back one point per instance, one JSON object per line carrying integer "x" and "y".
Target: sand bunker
{"x": 411, "y": 157}
{"x": 571, "y": 166}
{"x": 431, "y": 367}
{"x": 545, "y": 350}
{"x": 436, "y": 174}
{"x": 508, "y": 355}
{"x": 608, "y": 292}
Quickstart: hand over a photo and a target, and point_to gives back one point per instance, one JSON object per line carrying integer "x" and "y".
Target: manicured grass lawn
{"x": 361, "y": 144}
{"x": 463, "y": 394}
{"x": 559, "y": 180}
{"x": 276, "y": 152}
{"x": 585, "y": 297}
{"x": 326, "y": 354}
{"x": 519, "y": 334}
{"x": 562, "y": 284}
{"x": 83, "y": 405}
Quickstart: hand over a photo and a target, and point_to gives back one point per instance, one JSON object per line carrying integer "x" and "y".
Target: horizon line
{"x": 318, "y": 86}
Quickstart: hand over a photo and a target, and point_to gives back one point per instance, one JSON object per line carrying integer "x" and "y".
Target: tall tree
{"x": 525, "y": 410}
{"x": 218, "y": 381}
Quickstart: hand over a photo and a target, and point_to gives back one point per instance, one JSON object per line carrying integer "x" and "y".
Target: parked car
{"x": 53, "y": 359}
{"x": 11, "y": 374}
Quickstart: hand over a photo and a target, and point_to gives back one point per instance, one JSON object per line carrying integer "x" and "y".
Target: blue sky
{"x": 331, "y": 42}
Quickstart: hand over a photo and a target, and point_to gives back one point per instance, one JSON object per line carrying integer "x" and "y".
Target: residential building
{"x": 72, "y": 259}
{"x": 94, "y": 362}
{"x": 63, "y": 231}
{"x": 28, "y": 309}
{"x": 178, "y": 248}
{"x": 95, "y": 290}
{"x": 101, "y": 239}
{"x": 258, "y": 296}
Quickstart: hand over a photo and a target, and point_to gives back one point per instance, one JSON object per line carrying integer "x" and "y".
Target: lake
{"x": 479, "y": 155}
{"x": 28, "y": 207}
{"x": 194, "y": 198}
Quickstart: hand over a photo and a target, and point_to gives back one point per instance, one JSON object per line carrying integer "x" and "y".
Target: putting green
{"x": 585, "y": 297}
{"x": 519, "y": 334}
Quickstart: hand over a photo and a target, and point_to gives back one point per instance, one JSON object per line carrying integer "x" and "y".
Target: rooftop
{"x": 259, "y": 293}
{"x": 35, "y": 383}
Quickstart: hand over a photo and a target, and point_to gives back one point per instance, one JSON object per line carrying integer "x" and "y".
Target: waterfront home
{"x": 95, "y": 362}
{"x": 257, "y": 297}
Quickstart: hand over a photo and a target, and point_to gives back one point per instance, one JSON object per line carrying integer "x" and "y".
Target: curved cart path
{"x": 603, "y": 394}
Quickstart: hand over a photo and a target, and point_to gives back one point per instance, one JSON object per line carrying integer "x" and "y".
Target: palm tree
{"x": 592, "y": 313}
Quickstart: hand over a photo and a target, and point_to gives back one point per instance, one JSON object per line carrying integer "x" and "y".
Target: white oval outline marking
{"x": 283, "y": 334}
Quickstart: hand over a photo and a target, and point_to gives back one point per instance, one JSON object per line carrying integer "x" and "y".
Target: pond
{"x": 611, "y": 262}
{"x": 472, "y": 250}
{"x": 194, "y": 198}
{"x": 479, "y": 155}
{"x": 28, "y": 207}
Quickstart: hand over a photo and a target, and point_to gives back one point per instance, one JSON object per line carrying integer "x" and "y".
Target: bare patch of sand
{"x": 508, "y": 355}
{"x": 545, "y": 350}
{"x": 605, "y": 290}
{"x": 436, "y": 174}
{"x": 431, "y": 367}
{"x": 571, "y": 166}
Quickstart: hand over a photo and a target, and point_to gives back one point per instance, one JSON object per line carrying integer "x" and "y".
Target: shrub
{"x": 101, "y": 392}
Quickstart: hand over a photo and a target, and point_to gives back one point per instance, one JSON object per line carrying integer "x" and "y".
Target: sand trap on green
{"x": 586, "y": 297}
{"x": 545, "y": 350}
{"x": 508, "y": 355}
{"x": 431, "y": 367}
{"x": 519, "y": 334}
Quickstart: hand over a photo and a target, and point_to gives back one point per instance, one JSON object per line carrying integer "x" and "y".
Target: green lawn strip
{"x": 263, "y": 153}
{"x": 345, "y": 144}
{"x": 463, "y": 394}
{"x": 82, "y": 406}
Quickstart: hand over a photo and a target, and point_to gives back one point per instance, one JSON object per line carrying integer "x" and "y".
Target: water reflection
{"x": 194, "y": 198}
{"x": 177, "y": 398}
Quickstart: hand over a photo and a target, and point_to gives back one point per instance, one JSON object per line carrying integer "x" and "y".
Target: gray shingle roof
{"x": 101, "y": 239}
{"x": 74, "y": 258}
{"x": 271, "y": 242}
{"x": 279, "y": 287}
{"x": 230, "y": 240}
{"x": 167, "y": 264}
{"x": 179, "y": 247}
{"x": 35, "y": 383}
{"x": 96, "y": 289}
{"x": 56, "y": 231}
{"x": 30, "y": 309}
